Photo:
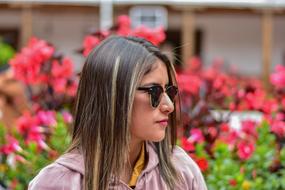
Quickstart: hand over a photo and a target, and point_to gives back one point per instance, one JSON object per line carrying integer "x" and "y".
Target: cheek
{"x": 143, "y": 126}
{"x": 142, "y": 114}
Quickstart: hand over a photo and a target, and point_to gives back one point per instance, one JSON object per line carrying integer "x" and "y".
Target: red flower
{"x": 202, "y": 163}
{"x": 187, "y": 145}
{"x": 225, "y": 127}
{"x": 193, "y": 65}
{"x": 249, "y": 127}
{"x": 189, "y": 83}
{"x": 245, "y": 150}
{"x": 156, "y": 36}
{"x": 124, "y": 25}
{"x": 233, "y": 182}
{"x": 123, "y": 28}
{"x": 27, "y": 65}
{"x": 89, "y": 43}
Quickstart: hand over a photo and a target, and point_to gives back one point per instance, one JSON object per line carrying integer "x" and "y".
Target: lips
{"x": 163, "y": 122}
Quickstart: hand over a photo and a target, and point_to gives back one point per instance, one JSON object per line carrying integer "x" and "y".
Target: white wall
{"x": 65, "y": 30}
{"x": 237, "y": 39}
{"x": 10, "y": 19}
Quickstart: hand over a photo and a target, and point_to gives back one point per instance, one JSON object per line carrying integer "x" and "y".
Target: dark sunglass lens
{"x": 155, "y": 93}
{"x": 171, "y": 92}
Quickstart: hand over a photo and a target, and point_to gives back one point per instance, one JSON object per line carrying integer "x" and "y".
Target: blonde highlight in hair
{"x": 103, "y": 110}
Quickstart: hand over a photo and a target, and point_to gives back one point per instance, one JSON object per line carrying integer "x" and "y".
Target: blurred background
{"x": 247, "y": 35}
{"x": 230, "y": 62}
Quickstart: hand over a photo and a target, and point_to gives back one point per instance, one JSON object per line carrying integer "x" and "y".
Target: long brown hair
{"x": 101, "y": 130}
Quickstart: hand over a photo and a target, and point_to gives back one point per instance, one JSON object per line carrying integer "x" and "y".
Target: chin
{"x": 158, "y": 138}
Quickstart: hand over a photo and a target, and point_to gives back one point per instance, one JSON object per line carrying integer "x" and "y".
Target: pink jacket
{"x": 67, "y": 172}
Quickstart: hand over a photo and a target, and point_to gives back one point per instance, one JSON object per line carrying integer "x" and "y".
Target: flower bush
{"x": 251, "y": 157}
{"x": 22, "y": 158}
{"x": 40, "y": 134}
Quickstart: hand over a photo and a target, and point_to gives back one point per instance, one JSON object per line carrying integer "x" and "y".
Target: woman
{"x": 124, "y": 131}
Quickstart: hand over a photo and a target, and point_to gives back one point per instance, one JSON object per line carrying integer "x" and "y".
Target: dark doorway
{"x": 174, "y": 38}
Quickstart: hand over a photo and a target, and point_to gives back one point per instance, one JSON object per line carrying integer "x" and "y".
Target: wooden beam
{"x": 267, "y": 28}
{"x": 188, "y": 20}
{"x": 26, "y": 24}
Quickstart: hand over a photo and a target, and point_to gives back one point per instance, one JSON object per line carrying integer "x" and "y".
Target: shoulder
{"x": 57, "y": 176}
{"x": 189, "y": 170}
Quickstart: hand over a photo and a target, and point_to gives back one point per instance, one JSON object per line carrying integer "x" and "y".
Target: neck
{"x": 135, "y": 149}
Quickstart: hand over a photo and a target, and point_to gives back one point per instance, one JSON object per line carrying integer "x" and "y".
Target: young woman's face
{"x": 149, "y": 123}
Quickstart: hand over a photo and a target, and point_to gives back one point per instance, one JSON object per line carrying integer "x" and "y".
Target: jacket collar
{"x": 74, "y": 160}
{"x": 152, "y": 157}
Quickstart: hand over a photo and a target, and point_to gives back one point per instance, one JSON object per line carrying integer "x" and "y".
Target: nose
{"x": 167, "y": 105}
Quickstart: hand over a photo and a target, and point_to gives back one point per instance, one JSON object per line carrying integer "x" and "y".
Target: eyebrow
{"x": 155, "y": 84}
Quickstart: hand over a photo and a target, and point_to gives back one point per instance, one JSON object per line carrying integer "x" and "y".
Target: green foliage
{"x": 6, "y": 53}
{"x": 227, "y": 171}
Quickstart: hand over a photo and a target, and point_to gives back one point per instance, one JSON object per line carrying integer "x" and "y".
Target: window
{"x": 151, "y": 16}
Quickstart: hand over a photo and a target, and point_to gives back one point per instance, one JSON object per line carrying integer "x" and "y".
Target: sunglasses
{"x": 156, "y": 91}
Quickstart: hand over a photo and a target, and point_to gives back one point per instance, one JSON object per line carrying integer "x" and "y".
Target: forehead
{"x": 158, "y": 73}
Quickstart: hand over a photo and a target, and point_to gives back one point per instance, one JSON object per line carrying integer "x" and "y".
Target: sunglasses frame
{"x": 150, "y": 90}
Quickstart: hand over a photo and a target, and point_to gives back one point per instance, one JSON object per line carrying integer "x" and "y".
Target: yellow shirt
{"x": 138, "y": 168}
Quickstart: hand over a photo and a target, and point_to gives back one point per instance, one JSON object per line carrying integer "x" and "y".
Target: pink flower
{"x": 230, "y": 137}
{"x": 278, "y": 78}
{"x": 67, "y": 117}
{"x": 25, "y": 123}
{"x": 21, "y": 159}
{"x": 46, "y": 118}
{"x": 196, "y": 135}
{"x": 270, "y": 106}
{"x": 11, "y": 146}
{"x": 62, "y": 69}
{"x": 245, "y": 150}
{"x": 278, "y": 127}
{"x": 213, "y": 131}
